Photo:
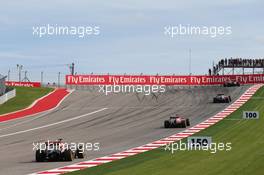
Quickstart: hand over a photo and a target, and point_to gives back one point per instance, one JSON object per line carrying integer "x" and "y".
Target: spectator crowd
{"x": 236, "y": 63}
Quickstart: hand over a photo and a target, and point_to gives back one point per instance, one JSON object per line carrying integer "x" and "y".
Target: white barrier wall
{"x": 7, "y": 96}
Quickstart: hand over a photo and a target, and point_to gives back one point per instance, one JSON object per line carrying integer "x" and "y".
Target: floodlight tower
{"x": 19, "y": 68}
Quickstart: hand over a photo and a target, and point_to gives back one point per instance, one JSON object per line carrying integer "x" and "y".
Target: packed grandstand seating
{"x": 236, "y": 63}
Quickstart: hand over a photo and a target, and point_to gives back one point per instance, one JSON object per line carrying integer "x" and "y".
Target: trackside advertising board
{"x": 161, "y": 80}
{"x": 23, "y": 84}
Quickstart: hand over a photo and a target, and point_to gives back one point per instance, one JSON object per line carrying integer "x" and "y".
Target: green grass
{"x": 25, "y": 96}
{"x": 246, "y": 156}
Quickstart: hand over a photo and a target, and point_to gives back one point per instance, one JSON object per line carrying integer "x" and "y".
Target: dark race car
{"x": 177, "y": 122}
{"x": 231, "y": 83}
{"x": 221, "y": 98}
{"x": 57, "y": 151}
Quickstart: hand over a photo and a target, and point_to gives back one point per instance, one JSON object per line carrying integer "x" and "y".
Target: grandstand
{"x": 238, "y": 64}
{"x": 2, "y": 85}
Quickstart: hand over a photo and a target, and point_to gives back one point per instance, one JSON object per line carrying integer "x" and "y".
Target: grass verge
{"x": 25, "y": 96}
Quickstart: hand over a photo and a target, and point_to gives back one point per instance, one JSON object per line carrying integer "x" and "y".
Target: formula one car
{"x": 57, "y": 151}
{"x": 176, "y": 122}
{"x": 231, "y": 83}
{"x": 221, "y": 98}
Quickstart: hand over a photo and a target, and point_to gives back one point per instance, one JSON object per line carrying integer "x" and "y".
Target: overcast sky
{"x": 131, "y": 36}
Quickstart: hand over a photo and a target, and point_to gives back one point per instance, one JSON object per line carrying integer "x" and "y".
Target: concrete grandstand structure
{"x": 2, "y": 85}
{"x": 238, "y": 66}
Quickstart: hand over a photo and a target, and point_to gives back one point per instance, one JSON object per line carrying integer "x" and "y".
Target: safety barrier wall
{"x": 168, "y": 80}
{"x": 23, "y": 84}
{"x": 7, "y": 96}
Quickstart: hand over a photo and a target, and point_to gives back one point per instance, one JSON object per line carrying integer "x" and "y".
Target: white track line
{"x": 52, "y": 124}
{"x": 156, "y": 144}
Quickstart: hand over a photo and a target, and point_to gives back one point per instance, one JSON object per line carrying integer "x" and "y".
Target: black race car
{"x": 57, "y": 151}
{"x": 176, "y": 122}
{"x": 231, "y": 83}
{"x": 221, "y": 98}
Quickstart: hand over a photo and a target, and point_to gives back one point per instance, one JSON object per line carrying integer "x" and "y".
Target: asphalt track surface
{"x": 117, "y": 121}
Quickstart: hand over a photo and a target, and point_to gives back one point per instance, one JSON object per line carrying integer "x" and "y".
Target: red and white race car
{"x": 176, "y": 122}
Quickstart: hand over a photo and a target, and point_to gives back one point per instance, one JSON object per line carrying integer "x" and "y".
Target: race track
{"x": 118, "y": 122}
